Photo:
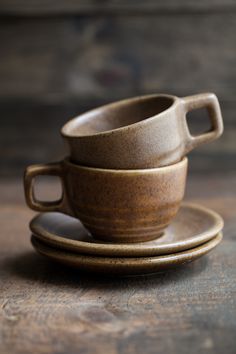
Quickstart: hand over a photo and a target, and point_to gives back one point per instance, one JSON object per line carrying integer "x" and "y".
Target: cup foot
{"x": 127, "y": 239}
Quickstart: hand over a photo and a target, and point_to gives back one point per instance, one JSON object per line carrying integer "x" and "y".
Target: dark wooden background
{"x": 58, "y": 59}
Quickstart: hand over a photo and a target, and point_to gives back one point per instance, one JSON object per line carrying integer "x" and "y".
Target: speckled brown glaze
{"x": 125, "y": 266}
{"x": 115, "y": 205}
{"x": 192, "y": 226}
{"x": 141, "y": 132}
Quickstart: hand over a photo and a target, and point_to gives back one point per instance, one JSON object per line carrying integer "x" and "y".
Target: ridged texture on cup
{"x": 125, "y": 205}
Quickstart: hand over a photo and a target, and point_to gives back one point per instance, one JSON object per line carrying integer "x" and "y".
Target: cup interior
{"x": 117, "y": 115}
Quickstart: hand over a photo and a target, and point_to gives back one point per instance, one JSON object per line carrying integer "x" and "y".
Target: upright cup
{"x": 141, "y": 132}
{"x": 114, "y": 205}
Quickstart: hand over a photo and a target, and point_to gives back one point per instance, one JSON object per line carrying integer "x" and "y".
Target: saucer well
{"x": 124, "y": 265}
{"x": 192, "y": 226}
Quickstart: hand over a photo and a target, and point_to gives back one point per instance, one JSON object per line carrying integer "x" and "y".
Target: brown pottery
{"x": 114, "y": 205}
{"x": 125, "y": 265}
{"x": 142, "y": 132}
{"x": 192, "y": 226}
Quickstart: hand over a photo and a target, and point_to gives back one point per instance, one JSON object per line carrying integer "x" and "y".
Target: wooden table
{"x": 46, "y": 308}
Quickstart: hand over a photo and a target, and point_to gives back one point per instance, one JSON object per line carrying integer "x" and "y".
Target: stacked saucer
{"x": 194, "y": 232}
{"x": 121, "y": 210}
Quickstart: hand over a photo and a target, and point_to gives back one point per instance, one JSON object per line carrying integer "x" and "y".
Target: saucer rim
{"x": 125, "y": 265}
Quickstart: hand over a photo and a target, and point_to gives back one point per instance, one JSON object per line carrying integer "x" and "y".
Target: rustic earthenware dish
{"x": 114, "y": 205}
{"x": 123, "y": 265}
{"x": 192, "y": 226}
{"x": 141, "y": 132}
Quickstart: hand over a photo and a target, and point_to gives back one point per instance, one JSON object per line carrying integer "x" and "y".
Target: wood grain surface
{"x": 45, "y": 308}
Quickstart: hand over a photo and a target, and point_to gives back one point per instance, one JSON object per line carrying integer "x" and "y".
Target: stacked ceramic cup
{"x": 124, "y": 180}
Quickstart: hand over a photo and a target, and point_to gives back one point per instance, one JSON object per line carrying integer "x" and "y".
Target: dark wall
{"x": 58, "y": 59}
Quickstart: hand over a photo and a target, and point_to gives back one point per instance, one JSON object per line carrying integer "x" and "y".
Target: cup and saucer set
{"x": 121, "y": 209}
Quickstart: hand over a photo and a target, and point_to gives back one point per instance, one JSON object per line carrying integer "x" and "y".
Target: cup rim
{"x": 67, "y": 126}
{"x": 162, "y": 169}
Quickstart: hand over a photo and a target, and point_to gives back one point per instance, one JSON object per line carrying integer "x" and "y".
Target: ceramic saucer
{"x": 124, "y": 265}
{"x": 192, "y": 226}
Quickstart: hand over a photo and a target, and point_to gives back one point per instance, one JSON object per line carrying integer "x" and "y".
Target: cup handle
{"x": 209, "y": 101}
{"x": 31, "y": 172}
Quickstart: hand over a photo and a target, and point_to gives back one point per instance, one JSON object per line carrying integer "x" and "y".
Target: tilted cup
{"x": 114, "y": 205}
{"x": 141, "y": 132}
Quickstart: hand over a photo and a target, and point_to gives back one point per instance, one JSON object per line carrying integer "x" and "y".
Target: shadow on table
{"x": 31, "y": 266}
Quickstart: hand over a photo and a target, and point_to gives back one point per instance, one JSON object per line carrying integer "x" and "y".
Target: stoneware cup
{"x": 114, "y": 205}
{"x": 142, "y": 132}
